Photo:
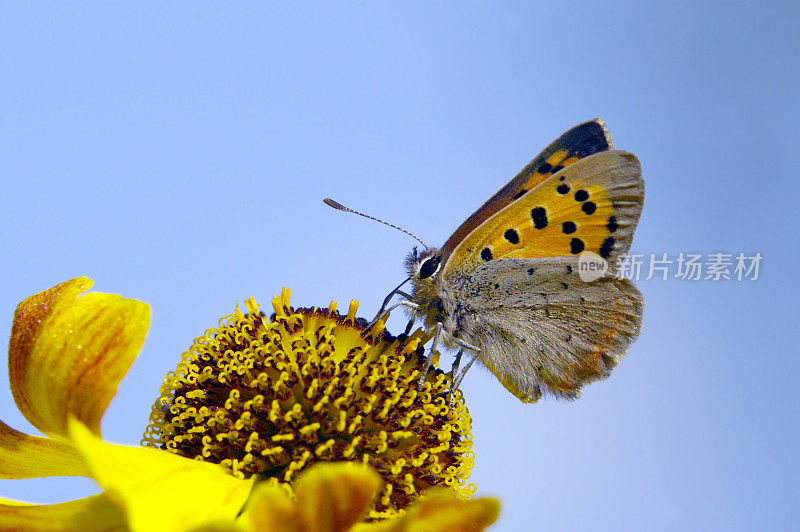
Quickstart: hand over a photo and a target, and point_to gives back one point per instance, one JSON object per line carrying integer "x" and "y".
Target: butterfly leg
{"x": 389, "y": 298}
{"x": 429, "y": 359}
{"x": 464, "y": 344}
{"x": 456, "y": 363}
{"x": 457, "y": 381}
{"x": 407, "y": 304}
{"x": 383, "y": 313}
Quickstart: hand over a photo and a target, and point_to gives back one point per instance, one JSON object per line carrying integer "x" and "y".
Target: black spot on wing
{"x": 576, "y": 245}
{"x": 519, "y": 194}
{"x": 589, "y": 207}
{"x": 512, "y": 236}
{"x": 563, "y": 188}
{"x": 612, "y": 224}
{"x": 545, "y": 168}
{"x": 581, "y": 195}
{"x": 568, "y": 228}
{"x": 539, "y": 217}
{"x": 606, "y": 247}
{"x": 486, "y": 254}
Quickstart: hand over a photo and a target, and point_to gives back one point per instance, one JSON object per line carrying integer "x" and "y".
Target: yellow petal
{"x": 440, "y": 511}
{"x": 24, "y": 456}
{"x": 333, "y": 497}
{"x": 221, "y": 526}
{"x": 95, "y": 513}
{"x": 67, "y": 354}
{"x": 160, "y": 490}
{"x": 270, "y": 509}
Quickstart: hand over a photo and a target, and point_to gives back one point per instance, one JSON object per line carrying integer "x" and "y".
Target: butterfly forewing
{"x": 579, "y": 142}
{"x": 591, "y": 205}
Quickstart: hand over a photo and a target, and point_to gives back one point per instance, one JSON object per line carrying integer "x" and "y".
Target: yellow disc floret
{"x": 271, "y": 396}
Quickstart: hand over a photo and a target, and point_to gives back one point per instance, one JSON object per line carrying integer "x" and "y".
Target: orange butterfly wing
{"x": 592, "y": 205}
{"x": 581, "y": 141}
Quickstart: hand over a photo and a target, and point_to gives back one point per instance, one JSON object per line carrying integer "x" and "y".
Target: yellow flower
{"x": 269, "y": 397}
{"x": 67, "y": 355}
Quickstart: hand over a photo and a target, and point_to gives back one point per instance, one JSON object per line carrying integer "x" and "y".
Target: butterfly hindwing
{"x": 541, "y": 328}
{"x": 592, "y": 205}
{"x": 579, "y": 142}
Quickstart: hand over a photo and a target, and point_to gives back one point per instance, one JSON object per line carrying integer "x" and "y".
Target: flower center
{"x": 270, "y": 396}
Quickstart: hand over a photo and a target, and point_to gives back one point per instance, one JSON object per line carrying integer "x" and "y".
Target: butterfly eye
{"x": 429, "y": 267}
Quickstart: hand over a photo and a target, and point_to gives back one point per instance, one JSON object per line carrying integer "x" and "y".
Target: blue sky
{"x": 178, "y": 154}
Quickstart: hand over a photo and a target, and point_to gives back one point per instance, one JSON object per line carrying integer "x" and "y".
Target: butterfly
{"x": 506, "y": 286}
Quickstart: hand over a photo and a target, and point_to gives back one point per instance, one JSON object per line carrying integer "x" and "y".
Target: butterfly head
{"x": 424, "y": 269}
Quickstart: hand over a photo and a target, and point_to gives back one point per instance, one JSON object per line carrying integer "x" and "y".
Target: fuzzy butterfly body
{"x": 506, "y": 284}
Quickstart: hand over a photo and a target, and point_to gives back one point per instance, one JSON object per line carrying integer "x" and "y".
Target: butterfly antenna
{"x": 339, "y": 207}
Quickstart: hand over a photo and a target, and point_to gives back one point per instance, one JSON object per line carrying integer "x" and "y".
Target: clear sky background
{"x": 178, "y": 154}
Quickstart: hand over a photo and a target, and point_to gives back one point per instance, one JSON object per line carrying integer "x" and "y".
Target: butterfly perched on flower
{"x": 506, "y": 286}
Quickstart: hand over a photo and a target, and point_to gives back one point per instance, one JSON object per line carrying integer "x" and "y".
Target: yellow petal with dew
{"x": 160, "y": 490}
{"x": 67, "y": 354}
{"x": 92, "y": 514}
{"x": 24, "y": 456}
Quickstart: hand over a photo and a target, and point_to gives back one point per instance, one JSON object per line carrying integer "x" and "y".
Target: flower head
{"x": 271, "y": 396}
